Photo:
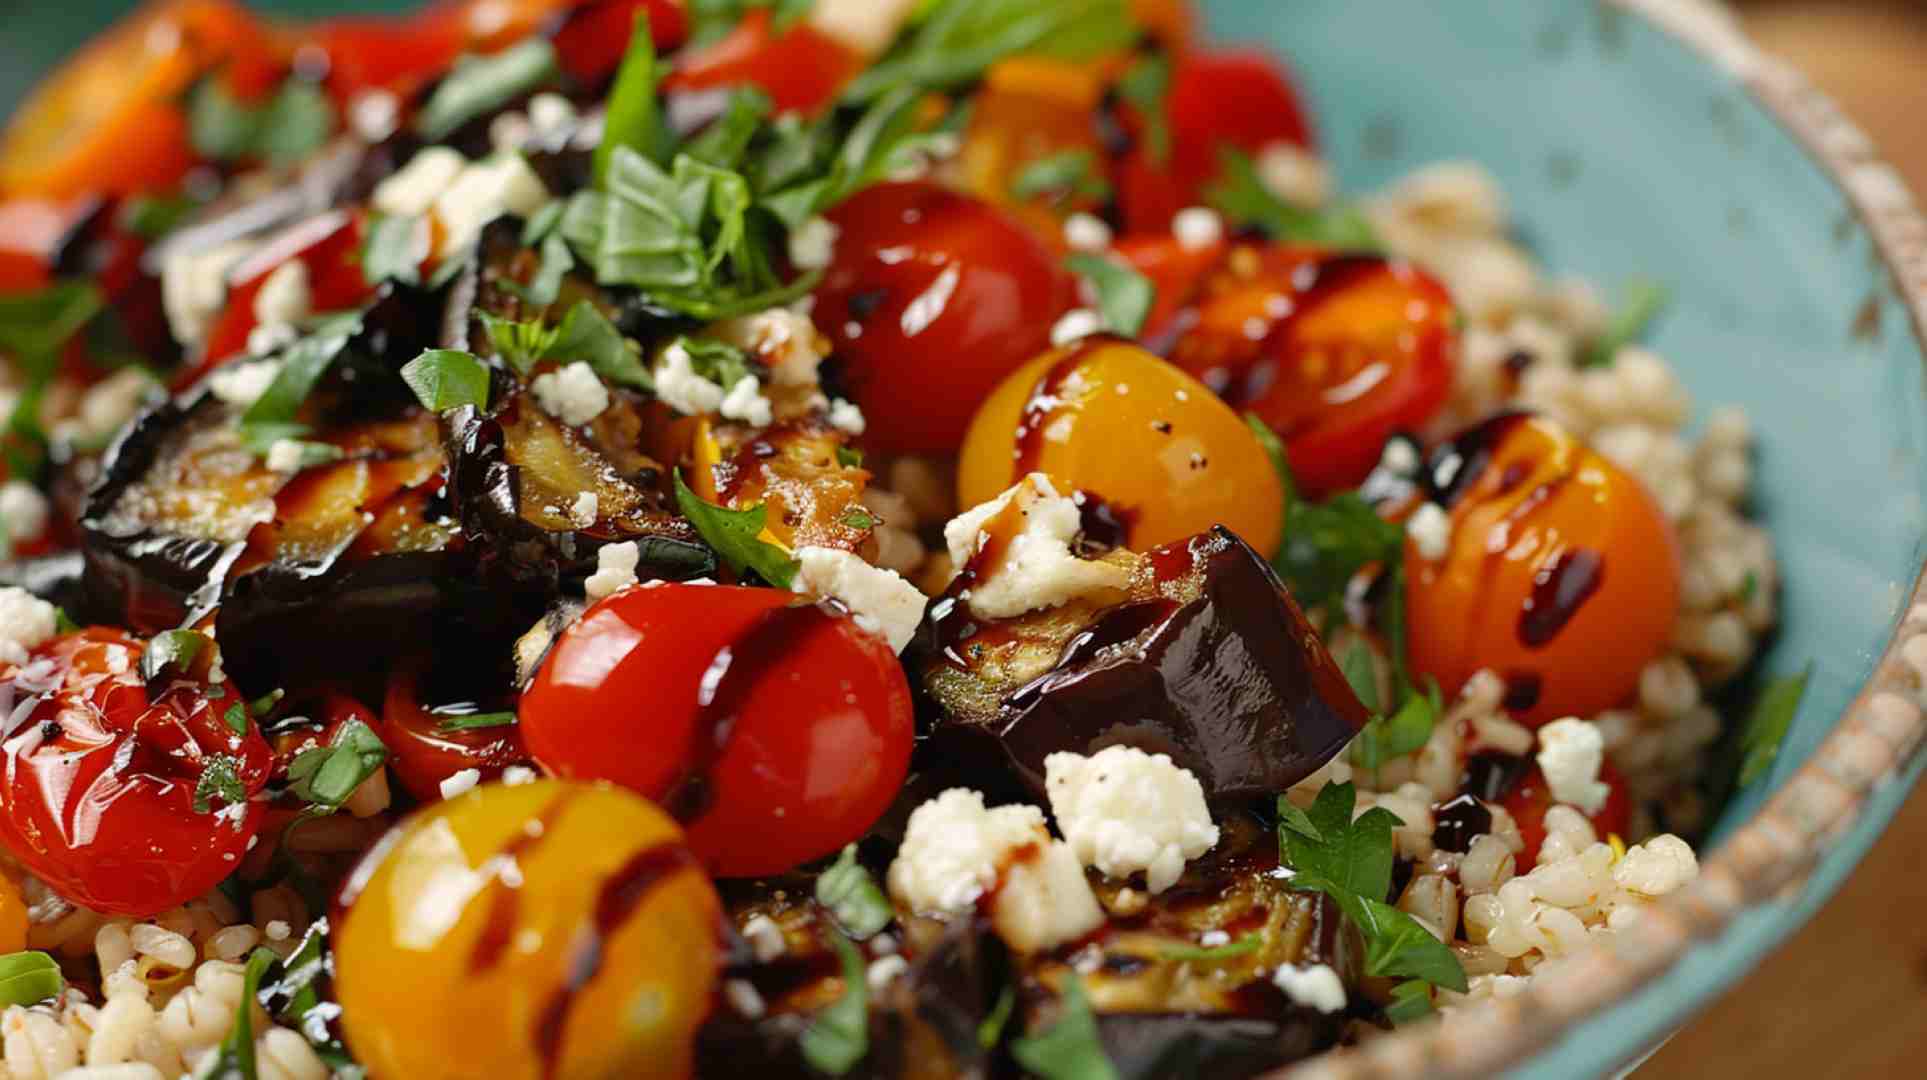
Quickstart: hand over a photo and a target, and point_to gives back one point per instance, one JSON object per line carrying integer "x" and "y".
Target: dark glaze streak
{"x": 950, "y": 615}
{"x": 1457, "y": 465}
{"x": 1457, "y": 822}
{"x": 1522, "y": 690}
{"x": 1558, "y": 591}
{"x": 1046, "y": 398}
{"x": 505, "y": 899}
{"x": 622, "y": 894}
{"x": 726, "y": 686}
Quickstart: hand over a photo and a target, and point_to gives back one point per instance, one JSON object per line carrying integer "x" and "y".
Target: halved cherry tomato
{"x": 109, "y": 120}
{"x": 800, "y": 69}
{"x": 31, "y": 232}
{"x": 1336, "y": 352}
{"x": 424, "y": 750}
{"x": 933, "y": 299}
{"x": 1530, "y": 798}
{"x": 1176, "y": 269}
{"x": 1562, "y": 575}
{"x": 121, "y": 801}
{"x": 777, "y": 732}
{"x": 592, "y": 42}
{"x": 397, "y": 55}
{"x": 329, "y": 245}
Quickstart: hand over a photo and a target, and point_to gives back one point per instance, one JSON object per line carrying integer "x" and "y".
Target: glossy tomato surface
{"x": 426, "y": 747}
{"x": 120, "y": 801}
{"x": 933, "y": 299}
{"x": 799, "y": 68}
{"x": 776, "y": 731}
{"x": 549, "y": 930}
{"x": 591, "y": 43}
{"x": 1562, "y": 574}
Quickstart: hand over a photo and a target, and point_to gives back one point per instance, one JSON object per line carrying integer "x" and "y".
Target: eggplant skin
{"x": 1154, "y": 1046}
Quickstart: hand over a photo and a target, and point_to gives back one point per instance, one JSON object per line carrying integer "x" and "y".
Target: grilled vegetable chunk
{"x": 1208, "y": 660}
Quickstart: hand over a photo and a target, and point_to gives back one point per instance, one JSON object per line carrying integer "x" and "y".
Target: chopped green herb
{"x": 1070, "y": 1048}
{"x": 1411, "y": 1000}
{"x": 480, "y": 85}
{"x": 884, "y": 140}
{"x": 234, "y": 1059}
{"x": 557, "y": 261}
{"x": 154, "y": 216}
{"x": 849, "y": 457}
{"x": 1749, "y": 586}
{"x": 587, "y": 335}
{"x": 714, "y": 19}
{"x": 1645, "y": 299}
{"x": 64, "y": 623}
{"x": 284, "y": 129}
{"x": 1202, "y": 954}
{"x": 1246, "y": 201}
{"x": 839, "y": 1035}
{"x": 1767, "y": 725}
{"x": 1146, "y": 85}
{"x": 1290, "y": 817}
{"x": 958, "y": 40}
{"x": 310, "y": 454}
{"x": 1401, "y": 733}
{"x": 33, "y": 327}
{"x": 1069, "y": 172}
{"x": 1124, "y": 296}
{"x": 725, "y": 142}
{"x": 30, "y": 977}
{"x": 395, "y": 250}
{"x": 1327, "y": 544}
{"x": 327, "y": 775}
{"x": 991, "y": 1031}
{"x": 237, "y": 718}
{"x": 519, "y": 343}
{"x": 1361, "y": 671}
{"x": 634, "y": 117}
{"x": 265, "y": 704}
{"x": 853, "y": 898}
{"x": 718, "y": 361}
{"x": 476, "y": 721}
{"x": 1280, "y": 462}
{"x": 859, "y": 518}
{"x": 171, "y": 654}
{"x": 737, "y": 536}
{"x": 445, "y": 379}
{"x": 220, "y": 779}
{"x": 302, "y": 366}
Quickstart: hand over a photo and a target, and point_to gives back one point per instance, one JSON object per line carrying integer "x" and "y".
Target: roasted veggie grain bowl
{"x": 646, "y": 538}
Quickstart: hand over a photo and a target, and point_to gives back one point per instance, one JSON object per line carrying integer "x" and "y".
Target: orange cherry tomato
{"x": 1108, "y": 418}
{"x": 933, "y": 299}
{"x": 777, "y": 732}
{"x": 592, "y": 42}
{"x": 1030, "y": 109}
{"x": 1562, "y": 574}
{"x": 1337, "y": 353}
{"x": 120, "y": 801}
{"x": 1530, "y": 798}
{"x": 540, "y": 930}
{"x": 424, "y": 750}
{"x": 800, "y": 69}
{"x": 109, "y": 120}
{"x": 1175, "y": 269}
{"x": 13, "y": 917}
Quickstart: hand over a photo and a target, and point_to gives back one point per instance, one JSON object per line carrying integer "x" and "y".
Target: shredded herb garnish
{"x": 737, "y": 536}
{"x": 1070, "y": 1048}
{"x": 839, "y": 1035}
{"x": 852, "y": 897}
{"x": 445, "y": 379}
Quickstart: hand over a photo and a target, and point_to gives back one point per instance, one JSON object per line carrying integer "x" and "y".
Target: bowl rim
{"x": 1874, "y": 741}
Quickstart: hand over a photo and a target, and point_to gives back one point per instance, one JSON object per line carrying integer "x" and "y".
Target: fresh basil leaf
{"x": 634, "y": 116}
{"x": 1327, "y": 544}
{"x": 1202, "y": 954}
{"x": 1645, "y": 301}
{"x": 839, "y": 1035}
{"x": 1069, "y": 1049}
{"x": 302, "y": 366}
{"x": 395, "y": 250}
{"x": 27, "y": 978}
{"x": 1146, "y": 85}
{"x": 480, "y": 85}
{"x": 1767, "y": 725}
{"x": 40, "y": 322}
{"x": 284, "y": 129}
{"x": 220, "y": 779}
{"x": 1361, "y": 671}
{"x": 587, "y": 335}
{"x": 234, "y": 1059}
{"x": 476, "y": 721}
{"x": 1403, "y": 732}
{"x": 1244, "y": 199}
{"x": 1356, "y": 856}
{"x": 737, "y": 536}
{"x": 852, "y": 897}
{"x": 327, "y": 775}
{"x": 445, "y": 379}
{"x": 557, "y": 261}
{"x": 725, "y": 142}
{"x": 1280, "y": 461}
{"x": 1411, "y": 1000}
{"x": 237, "y": 718}
{"x": 960, "y": 39}
{"x": 170, "y": 655}
{"x": 1068, "y": 172}
{"x": 1124, "y": 296}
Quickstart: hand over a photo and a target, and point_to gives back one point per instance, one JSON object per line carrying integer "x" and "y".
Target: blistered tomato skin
{"x": 99, "y": 789}
{"x": 775, "y": 731}
{"x": 422, "y": 750}
{"x": 934, "y": 297}
{"x": 1106, "y": 417}
{"x": 1562, "y": 574}
{"x": 549, "y": 929}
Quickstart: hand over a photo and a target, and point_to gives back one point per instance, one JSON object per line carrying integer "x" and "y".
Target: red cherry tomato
{"x": 592, "y": 42}
{"x": 1530, "y": 798}
{"x": 398, "y": 55}
{"x": 1175, "y": 269}
{"x": 31, "y": 231}
{"x": 1336, "y": 352}
{"x": 424, "y": 751}
{"x": 777, "y": 732}
{"x": 329, "y": 245}
{"x": 933, "y": 299}
{"x": 800, "y": 69}
{"x": 102, "y": 780}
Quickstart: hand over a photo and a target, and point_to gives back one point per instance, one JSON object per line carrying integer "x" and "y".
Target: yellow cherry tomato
{"x": 553, "y": 929}
{"x": 13, "y": 917}
{"x": 1109, "y": 418}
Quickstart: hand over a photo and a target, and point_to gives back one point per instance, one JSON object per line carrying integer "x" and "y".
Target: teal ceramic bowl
{"x": 1646, "y": 137}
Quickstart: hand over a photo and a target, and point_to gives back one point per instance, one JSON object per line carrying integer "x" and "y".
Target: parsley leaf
{"x": 234, "y": 1058}
{"x": 29, "y": 977}
{"x": 1645, "y": 300}
{"x": 220, "y": 779}
{"x": 839, "y": 1035}
{"x": 1068, "y": 172}
{"x": 1124, "y": 296}
{"x": 396, "y": 246}
{"x": 519, "y": 343}
{"x": 634, "y": 116}
{"x": 1361, "y": 671}
{"x": 1070, "y": 1048}
{"x": 326, "y": 775}
{"x": 1201, "y": 954}
{"x": 1767, "y": 725}
{"x": 737, "y": 536}
{"x": 853, "y": 898}
{"x": 1243, "y": 198}
{"x": 1328, "y": 543}
{"x": 1401, "y": 733}
{"x": 281, "y": 130}
{"x": 445, "y": 379}
{"x": 1280, "y": 462}
{"x": 33, "y": 327}
{"x": 481, "y": 85}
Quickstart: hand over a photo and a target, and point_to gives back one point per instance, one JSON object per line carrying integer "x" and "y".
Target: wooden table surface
{"x": 1848, "y": 996}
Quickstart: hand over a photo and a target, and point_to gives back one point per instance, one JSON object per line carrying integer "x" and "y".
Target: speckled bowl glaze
{"x": 1644, "y": 137}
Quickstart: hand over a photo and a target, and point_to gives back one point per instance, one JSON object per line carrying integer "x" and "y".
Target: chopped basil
{"x": 959, "y": 39}
{"x": 1327, "y": 544}
{"x": 633, "y": 120}
{"x": 1411, "y": 1000}
{"x": 396, "y": 246}
{"x": 1201, "y": 954}
{"x": 220, "y": 779}
{"x": 1069, "y": 1049}
{"x": 849, "y": 457}
{"x": 170, "y": 655}
{"x": 1767, "y": 725}
{"x": 519, "y": 343}
{"x": 64, "y": 623}
{"x": 260, "y": 438}
{"x": 1361, "y": 671}
{"x": 718, "y": 361}
{"x": 479, "y": 85}
{"x": 839, "y": 1035}
{"x": 476, "y": 721}
{"x": 326, "y": 775}
{"x": 154, "y": 216}
{"x": 737, "y": 536}
{"x": 725, "y": 142}
{"x": 234, "y": 1059}
{"x": 265, "y": 704}
{"x": 714, "y": 19}
{"x": 883, "y": 140}
{"x": 1069, "y": 172}
{"x": 302, "y": 366}
{"x": 1124, "y": 296}
{"x": 1645, "y": 300}
{"x": 27, "y": 978}
{"x": 445, "y": 379}
{"x": 1404, "y": 731}
{"x": 295, "y": 991}
{"x": 237, "y": 718}
{"x": 282, "y": 130}
{"x": 1245, "y": 200}
{"x": 33, "y": 327}
{"x": 853, "y": 898}
{"x": 557, "y": 261}
{"x": 1146, "y": 84}
{"x": 1280, "y": 462}
{"x": 858, "y": 518}
{"x": 587, "y": 335}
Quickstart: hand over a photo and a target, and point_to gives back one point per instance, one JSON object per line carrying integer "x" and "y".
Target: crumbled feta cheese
{"x": 584, "y": 511}
{"x": 1430, "y": 528}
{"x": 516, "y": 775}
{"x": 270, "y": 338}
{"x": 278, "y": 930}
{"x": 193, "y": 288}
{"x": 785, "y": 340}
{"x": 1076, "y": 325}
{"x": 551, "y": 114}
{"x": 742, "y": 997}
{"x": 954, "y": 850}
{"x": 285, "y": 456}
{"x": 414, "y": 188}
{"x": 1211, "y": 939}
{"x": 23, "y": 511}
{"x": 1087, "y": 233}
{"x": 374, "y": 114}
{"x": 1038, "y": 570}
{"x": 1571, "y": 752}
{"x": 885, "y": 970}
{"x": 27, "y": 622}
{"x": 679, "y": 387}
{"x": 284, "y": 296}
{"x": 509, "y": 132}
{"x": 573, "y": 394}
{"x": 1124, "y": 811}
{"x": 847, "y": 418}
{"x": 1315, "y": 987}
{"x": 107, "y": 405}
{"x": 615, "y": 570}
{"x": 1399, "y": 458}
{"x": 1294, "y": 174}
{"x": 1198, "y": 228}
{"x": 765, "y": 938}
{"x": 241, "y": 385}
{"x": 745, "y": 402}
{"x": 865, "y": 27}
{"x": 484, "y": 191}
{"x": 461, "y": 783}
{"x": 813, "y": 244}
{"x": 1045, "y": 901}
{"x": 881, "y": 601}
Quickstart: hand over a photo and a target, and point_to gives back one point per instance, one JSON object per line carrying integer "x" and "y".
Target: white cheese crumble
{"x": 28, "y": 622}
{"x": 743, "y": 997}
{"x": 765, "y": 938}
{"x": 1125, "y": 811}
{"x": 679, "y": 387}
{"x": 1294, "y": 174}
{"x": 516, "y": 775}
{"x": 885, "y": 970}
{"x": 745, "y": 402}
{"x": 194, "y": 286}
{"x": 551, "y": 115}
{"x": 1087, "y": 233}
{"x": 615, "y": 570}
{"x": 584, "y": 511}
{"x": 1211, "y": 939}
{"x": 241, "y": 385}
{"x": 461, "y": 783}
{"x": 1430, "y": 528}
{"x": 865, "y": 27}
{"x": 1315, "y": 987}
{"x": 285, "y": 296}
{"x": 1198, "y": 228}
{"x": 1038, "y": 570}
{"x": 413, "y": 189}
{"x": 813, "y": 244}
{"x": 1076, "y": 325}
{"x": 847, "y": 418}
{"x": 1045, "y": 901}
{"x": 1571, "y": 752}
{"x": 1399, "y": 458}
{"x": 374, "y": 115}
{"x": 107, "y": 405}
{"x": 881, "y": 601}
{"x": 285, "y": 456}
{"x": 278, "y": 930}
{"x": 484, "y": 191}
{"x": 955, "y": 849}
{"x": 785, "y": 340}
{"x": 267, "y": 339}
{"x": 573, "y": 394}
{"x": 23, "y": 511}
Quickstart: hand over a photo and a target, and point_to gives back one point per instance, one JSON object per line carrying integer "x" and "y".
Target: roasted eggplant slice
{"x": 798, "y": 470}
{"x": 1208, "y": 660}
